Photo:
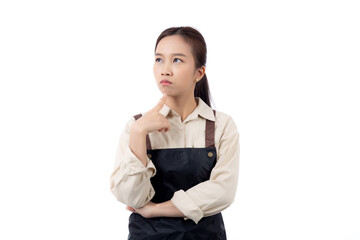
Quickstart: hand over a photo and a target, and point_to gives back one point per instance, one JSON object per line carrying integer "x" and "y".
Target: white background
{"x": 73, "y": 72}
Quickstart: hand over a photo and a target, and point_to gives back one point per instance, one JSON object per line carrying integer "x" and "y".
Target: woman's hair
{"x": 198, "y": 47}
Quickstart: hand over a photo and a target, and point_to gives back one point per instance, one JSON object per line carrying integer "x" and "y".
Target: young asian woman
{"x": 177, "y": 164}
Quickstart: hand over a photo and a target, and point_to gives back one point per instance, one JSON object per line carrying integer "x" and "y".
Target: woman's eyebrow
{"x": 174, "y": 54}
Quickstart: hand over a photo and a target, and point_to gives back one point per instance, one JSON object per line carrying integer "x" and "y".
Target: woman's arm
{"x": 217, "y": 193}
{"x": 130, "y": 179}
{"x": 150, "y": 210}
{"x": 137, "y": 143}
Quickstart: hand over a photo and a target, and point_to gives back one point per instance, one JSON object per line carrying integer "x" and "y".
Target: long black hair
{"x": 198, "y": 47}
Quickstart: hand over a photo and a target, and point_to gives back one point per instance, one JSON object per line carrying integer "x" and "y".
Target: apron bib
{"x": 179, "y": 168}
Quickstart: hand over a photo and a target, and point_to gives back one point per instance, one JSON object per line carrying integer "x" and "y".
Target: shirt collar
{"x": 201, "y": 109}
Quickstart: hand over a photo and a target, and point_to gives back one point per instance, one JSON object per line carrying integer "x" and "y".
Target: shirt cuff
{"x": 135, "y": 166}
{"x": 187, "y": 206}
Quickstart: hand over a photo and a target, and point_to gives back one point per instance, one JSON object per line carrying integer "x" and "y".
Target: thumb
{"x": 160, "y": 103}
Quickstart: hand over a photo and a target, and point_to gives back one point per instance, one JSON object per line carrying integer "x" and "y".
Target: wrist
{"x": 137, "y": 129}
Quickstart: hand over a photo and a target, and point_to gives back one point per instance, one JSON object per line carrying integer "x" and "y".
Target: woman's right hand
{"x": 153, "y": 120}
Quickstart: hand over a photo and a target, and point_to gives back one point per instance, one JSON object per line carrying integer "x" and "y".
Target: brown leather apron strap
{"x": 210, "y": 132}
{"x": 148, "y": 144}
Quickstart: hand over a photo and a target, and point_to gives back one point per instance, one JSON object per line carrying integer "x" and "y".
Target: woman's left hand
{"x": 147, "y": 211}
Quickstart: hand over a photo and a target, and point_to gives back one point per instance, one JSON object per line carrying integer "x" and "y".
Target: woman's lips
{"x": 165, "y": 82}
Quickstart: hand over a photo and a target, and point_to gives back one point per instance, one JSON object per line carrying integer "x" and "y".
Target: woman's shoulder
{"x": 222, "y": 116}
{"x": 225, "y": 121}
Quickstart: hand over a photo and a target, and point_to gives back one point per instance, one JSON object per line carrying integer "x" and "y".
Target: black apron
{"x": 179, "y": 168}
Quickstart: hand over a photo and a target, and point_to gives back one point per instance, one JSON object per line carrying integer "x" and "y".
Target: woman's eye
{"x": 158, "y": 59}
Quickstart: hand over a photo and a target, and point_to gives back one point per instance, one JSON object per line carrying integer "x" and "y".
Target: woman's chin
{"x": 167, "y": 92}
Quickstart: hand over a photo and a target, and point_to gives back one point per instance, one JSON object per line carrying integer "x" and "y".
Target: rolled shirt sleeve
{"x": 130, "y": 179}
{"x": 217, "y": 193}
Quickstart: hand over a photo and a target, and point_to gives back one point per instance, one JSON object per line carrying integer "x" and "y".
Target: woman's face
{"x": 174, "y": 62}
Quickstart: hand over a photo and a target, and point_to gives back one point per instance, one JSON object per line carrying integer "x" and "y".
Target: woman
{"x": 177, "y": 164}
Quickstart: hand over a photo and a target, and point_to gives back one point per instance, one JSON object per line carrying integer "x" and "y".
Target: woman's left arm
{"x": 150, "y": 210}
{"x": 217, "y": 193}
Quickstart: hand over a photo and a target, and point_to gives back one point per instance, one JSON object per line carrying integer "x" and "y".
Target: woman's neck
{"x": 183, "y": 106}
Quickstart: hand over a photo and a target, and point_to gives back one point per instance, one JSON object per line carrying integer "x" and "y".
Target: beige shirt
{"x": 130, "y": 179}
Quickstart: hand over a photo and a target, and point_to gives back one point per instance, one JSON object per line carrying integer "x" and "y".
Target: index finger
{"x": 160, "y": 103}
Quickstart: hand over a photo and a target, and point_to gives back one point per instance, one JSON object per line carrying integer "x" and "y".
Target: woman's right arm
{"x": 130, "y": 179}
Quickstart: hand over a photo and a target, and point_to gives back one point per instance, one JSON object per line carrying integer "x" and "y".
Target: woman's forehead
{"x": 171, "y": 45}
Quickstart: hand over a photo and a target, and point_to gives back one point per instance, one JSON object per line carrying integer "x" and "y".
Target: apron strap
{"x": 148, "y": 145}
{"x": 209, "y": 132}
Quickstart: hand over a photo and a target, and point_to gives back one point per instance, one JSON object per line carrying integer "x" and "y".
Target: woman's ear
{"x": 200, "y": 73}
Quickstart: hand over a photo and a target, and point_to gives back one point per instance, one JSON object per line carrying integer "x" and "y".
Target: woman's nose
{"x": 166, "y": 70}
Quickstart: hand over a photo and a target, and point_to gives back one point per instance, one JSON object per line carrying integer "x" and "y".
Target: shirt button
{"x": 149, "y": 155}
{"x": 210, "y": 154}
